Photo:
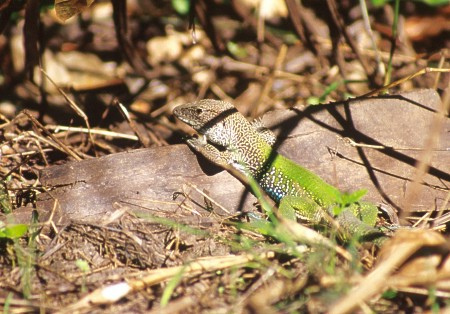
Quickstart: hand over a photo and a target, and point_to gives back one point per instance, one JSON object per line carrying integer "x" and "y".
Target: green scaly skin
{"x": 228, "y": 139}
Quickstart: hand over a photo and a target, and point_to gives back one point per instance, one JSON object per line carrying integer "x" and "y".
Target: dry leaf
{"x": 419, "y": 28}
{"x": 268, "y": 9}
{"x": 164, "y": 48}
{"x": 394, "y": 253}
{"x": 65, "y": 9}
{"x": 429, "y": 266}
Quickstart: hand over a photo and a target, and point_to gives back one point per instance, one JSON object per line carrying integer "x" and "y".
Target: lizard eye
{"x": 198, "y": 111}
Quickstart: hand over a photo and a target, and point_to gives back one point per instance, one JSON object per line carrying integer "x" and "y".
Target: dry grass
{"x": 169, "y": 264}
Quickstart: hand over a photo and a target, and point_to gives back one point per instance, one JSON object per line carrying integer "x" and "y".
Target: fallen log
{"x": 390, "y": 133}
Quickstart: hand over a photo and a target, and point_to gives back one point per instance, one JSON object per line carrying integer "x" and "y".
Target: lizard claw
{"x": 197, "y": 142}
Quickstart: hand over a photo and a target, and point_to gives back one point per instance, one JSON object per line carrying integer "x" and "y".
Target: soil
{"x": 90, "y": 153}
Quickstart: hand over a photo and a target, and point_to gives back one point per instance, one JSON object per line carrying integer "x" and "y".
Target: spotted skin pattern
{"x": 248, "y": 152}
{"x": 228, "y": 139}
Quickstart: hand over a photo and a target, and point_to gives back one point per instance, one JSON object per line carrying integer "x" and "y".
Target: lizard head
{"x": 212, "y": 118}
{"x": 204, "y": 114}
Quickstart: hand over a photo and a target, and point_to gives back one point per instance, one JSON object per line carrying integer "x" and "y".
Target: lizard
{"x": 228, "y": 139}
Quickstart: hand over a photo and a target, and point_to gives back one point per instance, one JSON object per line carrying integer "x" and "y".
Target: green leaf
{"x": 435, "y": 2}
{"x": 261, "y": 226}
{"x": 379, "y": 3}
{"x": 353, "y": 197}
{"x": 5, "y": 202}
{"x": 389, "y": 294}
{"x": 181, "y": 6}
{"x": 13, "y": 231}
{"x": 346, "y": 199}
{"x": 330, "y": 88}
{"x": 313, "y": 100}
{"x": 171, "y": 285}
{"x": 82, "y": 265}
{"x": 236, "y": 50}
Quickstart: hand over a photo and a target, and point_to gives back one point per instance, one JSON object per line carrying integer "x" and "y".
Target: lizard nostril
{"x": 198, "y": 111}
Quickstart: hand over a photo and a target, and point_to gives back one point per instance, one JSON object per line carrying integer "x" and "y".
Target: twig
{"x": 41, "y": 150}
{"x": 73, "y": 105}
{"x": 124, "y": 112}
{"x": 39, "y": 138}
{"x": 268, "y": 85}
{"x": 387, "y": 78}
{"x": 400, "y": 81}
{"x": 30, "y": 152}
{"x": 440, "y": 65}
{"x": 58, "y": 128}
{"x": 209, "y": 198}
{"x": 380, "y": 65}
{"x": 63, "y": 147}
{"x": 352, "y": 143}
{"x": 113, "y": 293}
{"x": 425, "y": 158}
{"x": 407, "y": 243}
{"x": 332, "y": 6}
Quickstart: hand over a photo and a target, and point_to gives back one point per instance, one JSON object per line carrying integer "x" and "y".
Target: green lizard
{"x": 227, "y": 139}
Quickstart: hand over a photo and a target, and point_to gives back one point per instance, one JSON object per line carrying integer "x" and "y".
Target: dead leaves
{"x": 413, "y": 260}
{"x": 65, "y": 9}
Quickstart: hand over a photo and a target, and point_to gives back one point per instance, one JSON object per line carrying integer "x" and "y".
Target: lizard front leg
{"x": 210, "y": 152}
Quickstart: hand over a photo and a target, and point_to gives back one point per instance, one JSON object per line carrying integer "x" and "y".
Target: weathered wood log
{"x": 147, "y": 179}
{"x": 394, "y": 130}
{"x": 143, "y": 178}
